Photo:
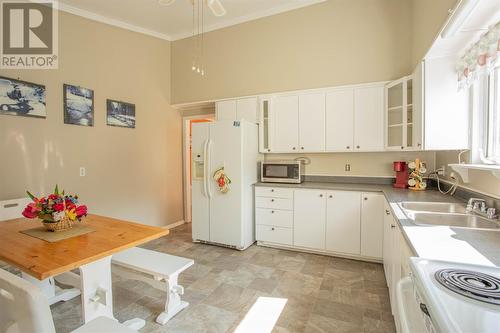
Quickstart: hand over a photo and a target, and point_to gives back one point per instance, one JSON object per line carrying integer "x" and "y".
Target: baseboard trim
{"x": 173, "y": 225}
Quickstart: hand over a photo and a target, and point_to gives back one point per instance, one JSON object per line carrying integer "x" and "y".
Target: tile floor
{"x": 324, "y": 294}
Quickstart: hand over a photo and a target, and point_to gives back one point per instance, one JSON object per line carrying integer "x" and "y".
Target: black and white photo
{"x": 120, "y": 114}
{"x": 20, "y": 98}
{"x": 78, "y": 105}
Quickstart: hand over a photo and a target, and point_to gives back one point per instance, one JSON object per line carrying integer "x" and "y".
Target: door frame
{"x": 186, "y": 161}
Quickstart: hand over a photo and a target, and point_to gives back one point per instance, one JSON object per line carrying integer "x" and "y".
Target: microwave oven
{"x": 282, "y": 172}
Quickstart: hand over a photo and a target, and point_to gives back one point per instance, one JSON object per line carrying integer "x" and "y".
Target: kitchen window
{"x": 493, "y": 117}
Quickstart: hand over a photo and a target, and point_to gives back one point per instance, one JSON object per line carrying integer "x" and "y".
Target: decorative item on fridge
{"x": 222, "y": 180}
{"x": 416, "y": 170}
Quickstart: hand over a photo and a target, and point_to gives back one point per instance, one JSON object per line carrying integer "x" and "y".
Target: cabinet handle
{"x": 268, "y": 150}
{"x": 365, "y": 198}
{"x": 358, "y": 147}
{"x": 272, "y": 190}
{"x": 402, "y": 147}
{"x": 272, "y": 212}
{"x": 393, "y": 226}
{"x": 387, "y": 212}
{"x": 321, "y": 195}
{"x": 331, "y": 196}
{"x": 348, "y": 147}
{"x": 419, "y": 144}
{"x": 272, "y": 200}
{"x": 302, "y": 148}
{"x": 294, "y": 148}
{"x": 272, "y": 229}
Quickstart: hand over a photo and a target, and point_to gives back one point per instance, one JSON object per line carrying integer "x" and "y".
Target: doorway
{"x": 187, "y": 134}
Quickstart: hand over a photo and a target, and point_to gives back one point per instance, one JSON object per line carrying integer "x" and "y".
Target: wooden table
{"x": 90, "y": 253}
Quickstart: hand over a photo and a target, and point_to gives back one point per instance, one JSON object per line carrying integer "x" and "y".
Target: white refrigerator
{"x": 224, "y": 215}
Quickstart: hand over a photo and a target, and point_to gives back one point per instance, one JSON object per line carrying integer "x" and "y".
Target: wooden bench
{"x": 158, "y": 267}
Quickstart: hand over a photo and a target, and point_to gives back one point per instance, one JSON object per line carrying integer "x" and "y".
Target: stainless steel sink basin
{"x": 452, "y": 220}
{"x": 435, "y": 207}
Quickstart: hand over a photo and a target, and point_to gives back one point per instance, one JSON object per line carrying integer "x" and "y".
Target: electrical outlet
{"x": 347, "y": 167}
{"x": 83, "y": 172}
{"x": 441, "y": 171}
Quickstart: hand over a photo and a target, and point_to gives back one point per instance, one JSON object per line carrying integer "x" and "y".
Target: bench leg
{"x": 174, "y": 303}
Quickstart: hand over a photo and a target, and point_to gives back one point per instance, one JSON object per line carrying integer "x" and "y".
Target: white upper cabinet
{"x": 312, "y": 122}
{"x": 225, "y": 110}
{"x": 369, "y": 118}
{"x": 285, "y": 114}
{"x": 238, "y": 109}
{"x": 309, "y": 218}
{"x": 340, "y": 120}
{"x": 247, "y": 108}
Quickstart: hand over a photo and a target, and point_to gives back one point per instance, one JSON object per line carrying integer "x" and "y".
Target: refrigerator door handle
{"x": 209, "y": 162}
{"x": 205, "y": 169}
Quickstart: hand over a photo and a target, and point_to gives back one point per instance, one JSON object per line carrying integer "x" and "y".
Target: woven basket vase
{"x": 62, "y": 225}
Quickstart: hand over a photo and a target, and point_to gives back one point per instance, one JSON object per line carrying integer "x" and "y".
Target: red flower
{"x": 53, "y": 197}
{"x": 58, "y": 207}
{"x": 70, "y": 205}
{"x": 31, "y": 211}
{"x": 81, "y": 211}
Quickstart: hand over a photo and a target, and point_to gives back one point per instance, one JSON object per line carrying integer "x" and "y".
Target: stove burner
{"x": 478, "y": 286}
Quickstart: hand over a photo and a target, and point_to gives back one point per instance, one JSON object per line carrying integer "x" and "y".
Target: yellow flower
{"x": 71, "y": 214}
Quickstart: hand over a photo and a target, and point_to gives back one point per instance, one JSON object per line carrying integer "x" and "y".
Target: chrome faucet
{"x": 478, "y": 206}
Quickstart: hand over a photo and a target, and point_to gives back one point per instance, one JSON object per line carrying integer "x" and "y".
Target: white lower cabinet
{"x": 348, "y": 223}
{"x": 343, "y": 222}
{"x": 309, "y": 216}
{"x": 372, "y": 221}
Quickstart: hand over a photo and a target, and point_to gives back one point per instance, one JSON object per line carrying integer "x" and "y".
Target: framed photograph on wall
{"x": 21, "y": 98}
{"x": 78, "y": 105}
{"x": 120, "y": 114}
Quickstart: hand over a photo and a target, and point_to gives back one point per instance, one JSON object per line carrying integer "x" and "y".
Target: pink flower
{"x": 31, "y": 211}
{"x": 81, "y": 211}
{"x": 59, "y": 207}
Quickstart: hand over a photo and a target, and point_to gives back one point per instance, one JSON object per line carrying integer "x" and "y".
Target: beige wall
{"x": 134, "y": 174}
{"x": 428, "y": 16}
{"x": 362, "y": 164}
{"x": 482, "y": 181}
{"x": 333, "y": 43}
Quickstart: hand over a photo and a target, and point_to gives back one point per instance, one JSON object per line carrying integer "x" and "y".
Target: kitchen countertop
{"x": 474, "y": 246}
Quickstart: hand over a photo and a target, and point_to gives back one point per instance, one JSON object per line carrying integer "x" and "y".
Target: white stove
{"x": 455, "y": 297}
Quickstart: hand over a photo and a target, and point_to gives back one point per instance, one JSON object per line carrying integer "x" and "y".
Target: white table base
{"x": 54, "y": 293}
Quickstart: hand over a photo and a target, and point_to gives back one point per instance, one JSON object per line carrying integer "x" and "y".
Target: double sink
{"x": 445, "y": 214}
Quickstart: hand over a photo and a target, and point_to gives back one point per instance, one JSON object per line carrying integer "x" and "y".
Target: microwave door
{"x": 277, "y": 171}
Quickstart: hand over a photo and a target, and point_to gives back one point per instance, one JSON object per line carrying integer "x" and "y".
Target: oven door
{"x": 281, "y": 172}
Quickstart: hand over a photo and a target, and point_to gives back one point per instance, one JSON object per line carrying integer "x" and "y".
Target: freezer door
{"x": 225, "y": 147}
{"x": 200, "y": 214}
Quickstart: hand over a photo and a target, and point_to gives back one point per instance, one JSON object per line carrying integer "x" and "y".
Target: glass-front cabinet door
{"x": 399, "y": 114}
{"x": 265, "y": 125}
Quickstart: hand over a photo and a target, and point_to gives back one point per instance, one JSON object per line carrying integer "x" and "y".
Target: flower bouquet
{"x": 58, "y": 211}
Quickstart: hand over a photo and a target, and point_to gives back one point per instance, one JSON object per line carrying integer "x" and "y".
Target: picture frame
{"x": 78, "y": 105}
{"x": 120, "y": 114}
{"x": 22, "y": 98}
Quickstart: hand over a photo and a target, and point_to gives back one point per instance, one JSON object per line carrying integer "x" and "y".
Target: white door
{"x": 247, "y": 108}
{"x": 369, "y": 118}
{"x": 286, "y": 123}
{"x": 312, "y": 122}
{"x": 372, "y": 224}
{"x": 343, "y": 222}
{"x": 225, "y": 110}
{"x": 200, "y": 214}
{"x": 340, "y": 120}
{"x": 309, "y": 218}
{"x": 225, "y": 208}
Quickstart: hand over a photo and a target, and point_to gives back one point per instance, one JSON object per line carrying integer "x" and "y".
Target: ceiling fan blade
{"x": 216, "y": 7}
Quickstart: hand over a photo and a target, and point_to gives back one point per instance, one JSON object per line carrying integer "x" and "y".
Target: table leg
{"x": 97, "y": 293}
{"x": 53, "y": 292}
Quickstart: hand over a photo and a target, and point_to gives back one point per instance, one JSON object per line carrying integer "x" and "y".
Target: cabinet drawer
{"x": 275, "y": 192}
{"x": 274, "y": 234}
{"x": 274, "y": 217}
{"x": 276, "y": 203}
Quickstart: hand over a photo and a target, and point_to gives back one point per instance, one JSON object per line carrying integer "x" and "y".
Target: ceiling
{"x": 176, "y": 20}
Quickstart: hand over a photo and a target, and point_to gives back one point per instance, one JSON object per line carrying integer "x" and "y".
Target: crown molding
{"x": 110, "y": 21}
{"x": 246, "y": 18}
{"x": 187, "y": 33}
